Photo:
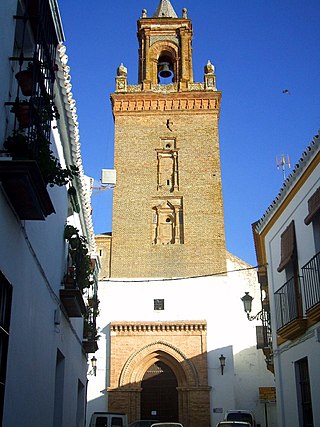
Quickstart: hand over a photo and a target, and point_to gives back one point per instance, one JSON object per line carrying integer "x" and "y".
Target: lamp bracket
{"x": 258, "y": 316}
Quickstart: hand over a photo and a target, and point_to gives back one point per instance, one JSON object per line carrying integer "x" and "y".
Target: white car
{"x": 233, "y": 424}
{"x": 167, "y": 425}
{"x": 142, "y": 423}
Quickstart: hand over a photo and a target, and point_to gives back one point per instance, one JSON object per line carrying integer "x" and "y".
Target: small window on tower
{"x": 158, "y": 304}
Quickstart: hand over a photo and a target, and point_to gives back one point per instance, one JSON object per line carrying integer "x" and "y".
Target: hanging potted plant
{"x": 37, "y": 147}
{"x": 69, "y": 278}
{"x": 45, "y": 109}
{"x": 25, "y": 80}
{"x": 51, "y": 169}
{"x": 69, "y": 231}
{"x": 17, "y": 145}
{"x": 79, "y": 257}
{"x": 93, "y": 303}
{"x": 22, "y": 110}
{"x": 83, "y": 267}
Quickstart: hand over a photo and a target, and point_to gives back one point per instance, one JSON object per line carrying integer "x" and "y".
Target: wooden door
{"x": 159, "y": 396}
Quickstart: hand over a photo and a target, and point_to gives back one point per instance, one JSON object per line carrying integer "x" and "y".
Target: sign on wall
{"x": 267, "y": 394}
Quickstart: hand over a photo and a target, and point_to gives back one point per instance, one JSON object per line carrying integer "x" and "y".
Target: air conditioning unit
{"x": 108, "y": 177}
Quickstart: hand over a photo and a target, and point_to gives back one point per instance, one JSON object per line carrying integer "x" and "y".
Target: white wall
{"x": 33, "y": 259}
{"x": 296, "y": 210}
{"x": 215, "y": 299}
{"x": 287, "y": 354}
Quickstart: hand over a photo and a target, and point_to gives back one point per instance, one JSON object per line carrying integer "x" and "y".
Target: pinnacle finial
{"x": 122, "y": 70}
{"x": 209, "y": 68}
{"x": 165, "y": 10}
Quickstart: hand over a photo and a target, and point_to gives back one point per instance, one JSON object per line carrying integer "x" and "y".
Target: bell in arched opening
{"x": 165, "y": 70}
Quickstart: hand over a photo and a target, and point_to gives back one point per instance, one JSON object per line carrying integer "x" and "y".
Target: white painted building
{"x": 43, "y": 362}
{"x": 288, "y": 242}
{"x": 216, "y": 299}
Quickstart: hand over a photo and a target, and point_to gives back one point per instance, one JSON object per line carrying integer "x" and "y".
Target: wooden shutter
{"x": 313, "y": 206}
{"x": 288, "y": 246}
{"x": 261, "y": 336}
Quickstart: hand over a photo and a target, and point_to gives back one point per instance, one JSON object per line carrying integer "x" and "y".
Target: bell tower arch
{"x": 165, "y": 48}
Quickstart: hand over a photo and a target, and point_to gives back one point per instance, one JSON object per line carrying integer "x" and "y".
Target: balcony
{"x": 90, "y": 336}
{"x": 311, "y": 286}
{"x": 78, "y": 277}
{"x": 90, "y": 332}
{"x": 27, "y": 163}
{"x": 72, "y": 300}
{"x": 290, "y": 323}
{"x": 24, "y": 186}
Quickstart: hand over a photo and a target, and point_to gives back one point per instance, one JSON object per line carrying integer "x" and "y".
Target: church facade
{"x": 175, "y": 344}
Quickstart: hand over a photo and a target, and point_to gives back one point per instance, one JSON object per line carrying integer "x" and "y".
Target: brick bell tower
{"x": 167, "y": 207}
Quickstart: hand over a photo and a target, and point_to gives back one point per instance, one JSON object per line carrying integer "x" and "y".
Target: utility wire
{"x": 183, "y": 278}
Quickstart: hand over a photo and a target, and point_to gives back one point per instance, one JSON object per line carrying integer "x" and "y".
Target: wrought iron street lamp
{"x": 247, "y": 304}
{"x": 94, "y": 366}
{"x": 222, "y": 363}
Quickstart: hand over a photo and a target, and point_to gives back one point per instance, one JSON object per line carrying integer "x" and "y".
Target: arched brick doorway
{"x": 137, "y": 348}
{"x": 159, "y": 395}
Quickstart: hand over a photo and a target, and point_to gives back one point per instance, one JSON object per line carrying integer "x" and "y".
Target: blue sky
{"x": 259, "y": 48}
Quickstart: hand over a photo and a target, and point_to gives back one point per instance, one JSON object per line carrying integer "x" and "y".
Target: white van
{"x": 240, "y": 415}
{"x": 108, "y": 419}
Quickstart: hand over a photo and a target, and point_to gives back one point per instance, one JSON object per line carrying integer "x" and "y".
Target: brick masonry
{"x": 135, "y": 346}
{"x": 139, "y": 132}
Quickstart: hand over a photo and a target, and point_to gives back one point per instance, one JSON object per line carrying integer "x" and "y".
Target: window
{"x": 167, "y": 170}
{"x": 59, "y": 388}
{"x": 158, "y": 304}
{"x": 314, "y": 217}
{"x": 288, "y": 299}
{"x": 316, "y": 232}
{"x": 81, "y": 402}
{"x": 313, "y": 206}
{"x": 167, "y": 222}
{"x": 116, "y": 422}
{"x": 5, "y": 313}
{"x": 102, "y": 422}
{"x": 288, "y": 248}
{"x": 304, "y": 393}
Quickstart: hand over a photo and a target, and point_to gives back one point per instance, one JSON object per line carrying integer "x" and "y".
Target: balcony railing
{"x": 288, "y": 302}
{"x": 311, "y": 282}
{"x": 28, "y": 163}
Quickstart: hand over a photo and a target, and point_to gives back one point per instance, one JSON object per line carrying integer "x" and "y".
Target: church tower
{"x": 170, "y": 293}
{"x": 167, "y": 207}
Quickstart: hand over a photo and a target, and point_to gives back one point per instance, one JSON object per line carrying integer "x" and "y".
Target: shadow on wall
{"x": 156, "y": 364}
{"x": 96, "y": 405}
{"x": 251, "y": 374}
{"x": 100, "y": 404}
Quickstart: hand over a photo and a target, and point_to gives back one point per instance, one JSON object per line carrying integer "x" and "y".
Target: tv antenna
{"x": 96, "y": 189}
{"x": 283, "y": 162}
{"x": 108, "y": 181}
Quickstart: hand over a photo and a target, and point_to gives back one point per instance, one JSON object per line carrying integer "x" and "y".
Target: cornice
{"x": 162, "y": 327}
{"x": 64, "y": 82}
{"x": 307, "y": 163}
{"x": 182, "y": 102}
